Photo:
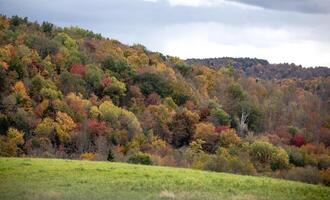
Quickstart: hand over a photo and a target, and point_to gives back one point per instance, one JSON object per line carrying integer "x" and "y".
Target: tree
{"x": 78, "y": 69}
{"x": 183, "y": 127}
{"x": 153, "y": 83}
{"x": 72, "y": 83}
{"x": 94, "y": 76}
{"x": 229, "y": 138}
{"x": 21, "y": 94}
{"x": 64, "y": 126}
{"x": 47, "y": 27}
{"x": 219, "y": 116}
{"x": 96, "y": 127}
{"x": 114, "y": 88}
{"x": 78, "y": 105}
{"x": 250, "y": 118}
{"x": 9, "y": 144}
{"x": 206, "y": 132}
{"x": 45, "y": 128}
{"x": 298, "y": 140}
{"x": 120, "y": 118}
{"x": 153, "y": 99}
{"x": 183, "y": 69}
{"x": 120, "y": 69}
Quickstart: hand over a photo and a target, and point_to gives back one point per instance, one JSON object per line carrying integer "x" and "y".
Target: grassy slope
{"x": 25, "y": 178}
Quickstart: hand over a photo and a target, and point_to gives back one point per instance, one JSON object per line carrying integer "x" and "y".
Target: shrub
{"x": 223, "y": 161}
{"x": 228, "y": 138}
{"x": 324, "y": 162}
{"x": 308, "y": 174}
{"x": 110, "y": 156}
{"x": 262, "y": 151}
{"x": 239, "y": 166}
{"x": 140, "y": 158}
{"x": 296, "y": 157}
{"x": 325, "y": 174}
{"x": 265, "y": 153}
{"x": 300, "y": 158}
{"x": 87, "y": 156}
{"x": 280, "y": 159}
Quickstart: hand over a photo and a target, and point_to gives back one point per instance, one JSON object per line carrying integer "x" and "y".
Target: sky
{"x": 291, "y": 31}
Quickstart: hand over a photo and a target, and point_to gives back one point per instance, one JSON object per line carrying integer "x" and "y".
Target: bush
{"x": 325, "y": 174}
{"x": 324, "y": 162}
{"x": 87, "y": 156}
{"x": 262, "y": 151}
{"x": 228, "y": 138}
{"x": 266, "y": 153}
{"x": 300, "y": 158}
{"x": 140, "y": 158}
{"x": 223, "y": 161}
{"x": 308, "y": 174}
{"x": 280, "y": 159}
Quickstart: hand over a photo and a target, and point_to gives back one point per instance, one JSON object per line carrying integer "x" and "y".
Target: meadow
{"x": 36, "y": 178}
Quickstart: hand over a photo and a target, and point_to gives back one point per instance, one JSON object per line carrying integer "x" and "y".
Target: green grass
{"x": 31, "y": 178}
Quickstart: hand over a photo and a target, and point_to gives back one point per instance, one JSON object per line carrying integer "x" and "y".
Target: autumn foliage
{"x": 70, "y": 93}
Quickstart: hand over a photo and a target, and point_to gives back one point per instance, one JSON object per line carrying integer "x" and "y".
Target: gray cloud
{"x": 305, "y": 6}
{"x": 163, "y": 27}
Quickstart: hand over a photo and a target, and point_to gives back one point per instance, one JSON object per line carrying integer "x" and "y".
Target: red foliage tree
{"x": 221, "y": 128}
{"x": 153, "y": 99}
{"x": 96, "y": 127}
{"x": 298, "y": 140}
{"x": 204, "y": 113}
{"x": 78, "y": 69}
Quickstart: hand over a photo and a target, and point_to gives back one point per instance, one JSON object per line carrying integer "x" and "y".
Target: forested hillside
{"x": 70, "y": 93}
{"x": 260, "y": 68}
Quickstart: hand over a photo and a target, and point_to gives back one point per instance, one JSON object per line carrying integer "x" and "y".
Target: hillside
{"x": 25, "y": 178}
{"x": 262, "y": 69}
{"x": 70, "y": 93}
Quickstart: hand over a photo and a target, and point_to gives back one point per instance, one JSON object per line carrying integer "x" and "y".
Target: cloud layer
{"x": 277, "y": 30}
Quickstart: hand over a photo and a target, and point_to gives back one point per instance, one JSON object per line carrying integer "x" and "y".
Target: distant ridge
{"x": 262, "y": 69}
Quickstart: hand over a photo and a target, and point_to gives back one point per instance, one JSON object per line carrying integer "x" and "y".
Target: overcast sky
{"x": 277, "y": 30}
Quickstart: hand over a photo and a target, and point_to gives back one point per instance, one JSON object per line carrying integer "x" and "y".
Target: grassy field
{"x": 30, "y": 178}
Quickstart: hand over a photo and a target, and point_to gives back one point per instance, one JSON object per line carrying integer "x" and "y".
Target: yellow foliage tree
{"x": 9, "y": 143}
{"x": 64, "y": 126}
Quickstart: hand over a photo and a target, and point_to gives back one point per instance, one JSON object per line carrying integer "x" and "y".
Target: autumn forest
{"x": 70, "y": 93}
